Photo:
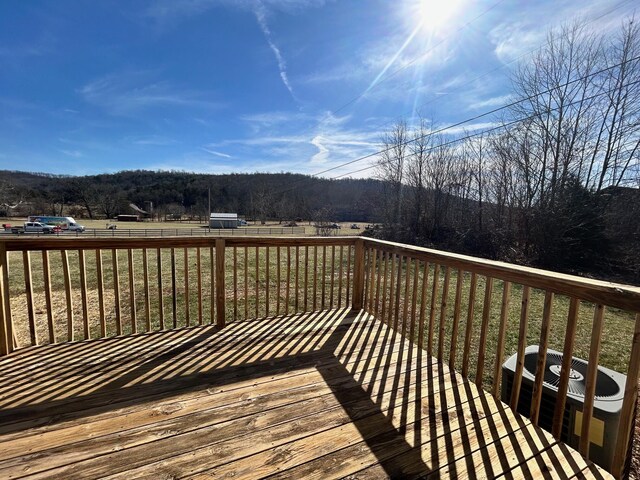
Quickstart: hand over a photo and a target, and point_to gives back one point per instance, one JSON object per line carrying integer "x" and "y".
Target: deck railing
{"x": 468, "y": 312}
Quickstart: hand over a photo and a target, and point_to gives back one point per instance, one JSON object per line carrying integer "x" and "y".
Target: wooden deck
{"x": 321, "y": 395}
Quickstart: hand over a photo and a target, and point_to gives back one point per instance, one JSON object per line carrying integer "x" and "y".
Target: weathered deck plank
{"x": 321, "y": 395}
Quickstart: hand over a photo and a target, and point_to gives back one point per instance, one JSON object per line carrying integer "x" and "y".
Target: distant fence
{"x": 173, "y": 232}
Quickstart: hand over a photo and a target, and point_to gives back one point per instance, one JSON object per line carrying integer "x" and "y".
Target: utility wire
{"x": 342, "y": 107}
{"x": 479, "y": 77}
{"x": 475, "y": 117}
{"x": 498, "y": 127}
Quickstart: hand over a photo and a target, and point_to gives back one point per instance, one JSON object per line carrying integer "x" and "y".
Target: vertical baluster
{"x": 235, "y": 284}
{"x": 257, "y": 279}
{"x": 288, "y": 287}
{"x": 9, "y": 335}
{"x": 627, "y": 414}
{"x": 116, "y": 290}
{"x": 246, "y": 283}
{"x": 297, "y": 278}
{"x": 536, "y": 397}
{"x": 414, "y": 298}
{"x": 28, "y": 286}
{"x": 199, "y": 274}
{"x": 366, "y": 260}
{"x": 392, "y": 289}
{"x": 444, "y": 303}
{"x": 278, "y": 280}
{"x": 47, "y": 295}
{"x": 432, "y": 312}
{"x": 340, "y": 261}
{"x": 405, "y": 307}
{"x": 67, "y": 291}
{"x": 456, "y": 319}
{"x": 376, "y": 308}
{"x": 132, "y": 291}
{"x": 187, "y": 302}
{"x": 484, "y": 328}
{"x": 160, "y": 289}
{"x": 469, "y": 327}
{"x": 348, "y": 285}
{"x": 100, "y": 279}
{"x": 83, "y": 293}
{"x": 358, "y": 275}
{"x": 333, "y": 270}
{"x": 590, "y": 380}
{"x": 147, "y": 299}
{"x": 504, "y": 314}
{"x": 383, "y": 309}
{"x": 266, "y": 278}
{"x": 324, "y": 275}
{"x": 522, "y": 345}
{"x": 423, "y": 303}
{"x": 221, "y": 310}
{"x": 315, "y": 278}
{"x": 373, "y": 256}
{"x": 396, "y": 308}
{"x": 306, "y": 277}
{"x": 212, "y": 294}
{"x": 174, "y": 287}
{"x": 567, "y": 353}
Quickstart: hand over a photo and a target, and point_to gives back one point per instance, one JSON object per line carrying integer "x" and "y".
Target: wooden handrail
{"x": 617, "y": 295}
{"x": 41, "y": 243}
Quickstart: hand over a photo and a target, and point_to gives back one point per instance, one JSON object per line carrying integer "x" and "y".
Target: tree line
{"x": 554, "y": 183}
{"x": 257, "y": 196}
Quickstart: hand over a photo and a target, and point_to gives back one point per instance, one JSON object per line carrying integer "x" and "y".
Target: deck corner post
{"x": 358, "y": 275}
{"x": 220, "y": 287}
{"x": 620, "y": 461}
{"x": 6, "y": 332}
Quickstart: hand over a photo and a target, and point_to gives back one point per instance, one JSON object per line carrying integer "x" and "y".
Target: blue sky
{"x": 219, "y": 86}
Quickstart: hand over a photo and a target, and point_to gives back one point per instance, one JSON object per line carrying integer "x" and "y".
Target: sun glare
{"x": 434, "y": 14}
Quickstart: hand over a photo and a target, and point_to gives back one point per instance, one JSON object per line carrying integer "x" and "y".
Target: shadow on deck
{"x": 327, "y": 395}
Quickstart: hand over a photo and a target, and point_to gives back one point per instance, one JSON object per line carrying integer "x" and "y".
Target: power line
{"x": 604, "y": 14}
{"x": 481, "y": 115}
{"x": 475, "y": 79}
{"x": 498, "y": 127}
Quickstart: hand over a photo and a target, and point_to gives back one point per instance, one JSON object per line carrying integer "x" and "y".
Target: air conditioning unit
{"x": 606, "y": 410}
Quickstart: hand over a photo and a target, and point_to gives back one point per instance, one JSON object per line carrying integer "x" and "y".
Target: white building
{"x": 223, "y": 220}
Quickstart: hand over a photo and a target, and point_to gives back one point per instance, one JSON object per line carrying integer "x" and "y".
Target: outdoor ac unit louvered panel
{"x": 606, "y": 410}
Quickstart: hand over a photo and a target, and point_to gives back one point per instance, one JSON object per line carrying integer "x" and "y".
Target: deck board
{"x": 323, "y": 395}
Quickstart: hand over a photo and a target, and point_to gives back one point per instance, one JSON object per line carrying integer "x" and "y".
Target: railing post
{"x": 627, "y": 415}
{"x": 220, "y": 288}
{"x": 6, "y": 330}
{"x": 358, "y": 275}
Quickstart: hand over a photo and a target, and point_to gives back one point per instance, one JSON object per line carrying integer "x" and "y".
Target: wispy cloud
{"x": 127, "y": 93}
{"x": 261, "y": 16}
{"x": 492, "y": 102}
{"x": 216, "y": 153}
{"x": 72, "y": 153}
{"x": 157, "y": 140}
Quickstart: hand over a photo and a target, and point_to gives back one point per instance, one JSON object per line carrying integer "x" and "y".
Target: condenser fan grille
{"x": 605, "y": 385}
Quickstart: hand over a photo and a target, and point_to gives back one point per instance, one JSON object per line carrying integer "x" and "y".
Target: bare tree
{"x": 390, "y": 168}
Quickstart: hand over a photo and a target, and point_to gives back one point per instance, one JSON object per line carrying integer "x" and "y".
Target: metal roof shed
{"x": 223, "y": 220}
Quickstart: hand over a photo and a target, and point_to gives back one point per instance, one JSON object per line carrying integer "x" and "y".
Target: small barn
{"x": 223, "y": 220}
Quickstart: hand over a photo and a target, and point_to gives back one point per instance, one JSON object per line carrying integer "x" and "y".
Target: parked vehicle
{"x": 355, "y": 226}
{"x": 335, "y": 225}
{"x": 35, "y": 227}
{"x": 65, "y": 223}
